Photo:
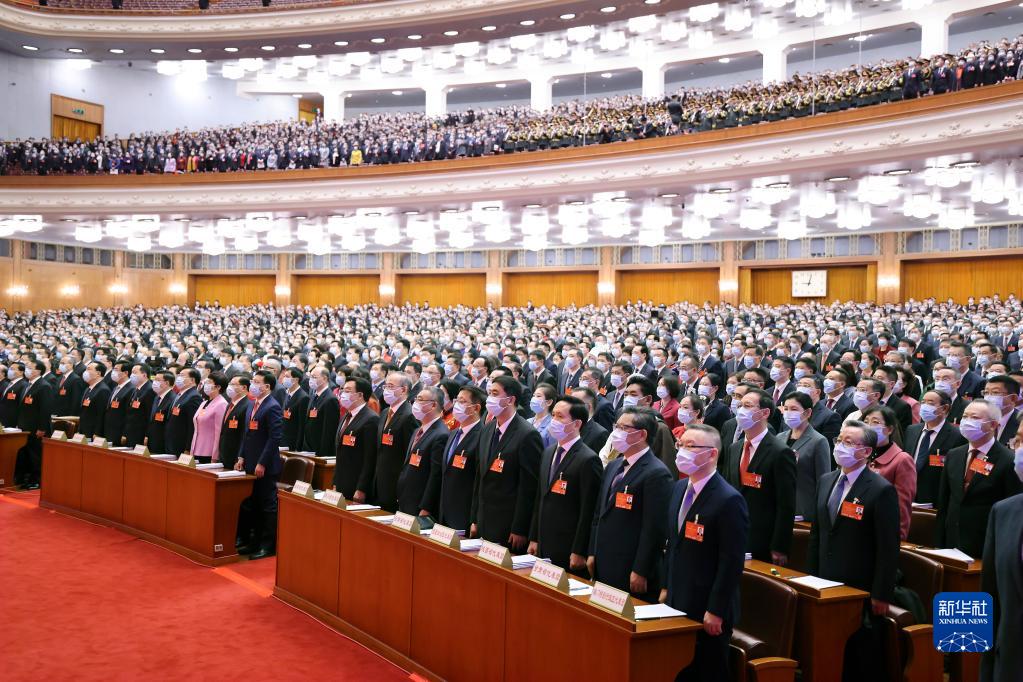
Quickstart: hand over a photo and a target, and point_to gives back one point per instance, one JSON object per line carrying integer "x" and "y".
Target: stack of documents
{"x": 382, "y": 519}
{"x": 211, "y": 466}
{"x": 228, "y": 473}
{"x": 815, "y": 582}
{"x": 578, "y": 588}
{"x": 471, "y": 545}
{"x": 360, "y": 507}
{"x": 923, "y": 505}
{"x": 651, "y": 611}
{"x": 525, "y": 561}
{"x": 330, "y": 460}
{"x": 165, "y": 457}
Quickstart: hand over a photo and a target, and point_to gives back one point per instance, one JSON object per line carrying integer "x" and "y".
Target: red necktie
{"x": 747, "y": 455}
{"x": 969, "y": 472}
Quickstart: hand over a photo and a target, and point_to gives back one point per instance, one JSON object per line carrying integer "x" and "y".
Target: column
{"x": 606, "y": 276}
{"x": 728, "y": 279}
{"x": 776, "y": 59}
{"x": 933, "y": 34}
{"x": 118, "y": 288}
{"x": 333, "y": 105}
{"x": 495, "y": 279}
{"x": 388, "y": 280}
{"x": 436, "y": 100}
{"x": 889, "y": 270}
{"x": 178, "y": 287}
{"x": 282, "y": 285}
{"x": 541, "y": 92}
{"x": 653, "y": 80}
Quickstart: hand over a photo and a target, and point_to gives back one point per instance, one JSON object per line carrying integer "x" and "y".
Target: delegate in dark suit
{"x": 117, "y": 413}
{"x": 826, "y": 422}
{"x": 261, "y": 445}
{"x": 1002, "y": 578}
{"x": 69, "y": 395}
{"x": 140, "y": 406}
{"x": 423, "y": 455}
{"x": 594, "y": 435}
{"x": 770, "y": 492}
{"x": 356, "y": 449}
{"x": 10, "y": 402}
{"x": 321, "y": 423}
{"x": 928, "y": 474}
{"x": 703, "y": 574}
{"x": 33, "y": 417}
{"x": 294, "y": 408}
{"x": 716, "y": 414}
{"x": 565, "y": 500}
{"x": 235, "y": 425}
{"x": 455, "y": 479}
{"x": 180, "y": 426}
{"x": 506, "y": 491}
{"x": 626, "y": 540}
{"x": 963, "y": 510}
{"x": 156, "y": 429}
{"x": 392, "y": 441}
{"x": 94, "y": 406}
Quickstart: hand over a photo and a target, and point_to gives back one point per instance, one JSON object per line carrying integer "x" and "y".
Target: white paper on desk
{"x": 382, "y": 519}
{"x": 330, "y": 460}
{"x": 923, "y": 505}
{"x": 164, "y": 457}
{"x": 799, "y": 518}
{"x": 362, "y": 507}
{"x": 651, "y": 611}
{"x": 319, "y": 495}
{"x": 578, "y": 588}
{"x": 947, "y": 554}
{"x": 471, "y": 545}
{"x": 11, "y": 429}
{"x": 210, "y": 465}
{"x": 228, "y": 473}
{"x": 815, "y": 582}
{"x": 121, "y": 448}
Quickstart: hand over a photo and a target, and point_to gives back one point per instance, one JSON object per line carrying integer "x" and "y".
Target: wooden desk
{"x": 323, "y": 468}
{"x": 190, "y": 511}
{"x": 824, "y": 622}
{"x": 448, "y": 615}
{"x": 10, "y": 443}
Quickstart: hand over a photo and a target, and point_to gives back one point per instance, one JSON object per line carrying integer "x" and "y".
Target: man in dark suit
{"x": 260, "y": 456}
{"x": 571, "y": 371}
{"x": 855, "y": 540}
{"x": 838, "y": 394}
{"x": 1002, "y": 578}
{"x": 159, "y": 413}
{"x": 628, "y": 531}
{"x": 94, "y": 400}
{"x": 117, "y": 407}
{"x": 236, "y": 422}
{"x": 425, "y": 452}
{"x": 1003, "y": 391}
{"x": 764, "y": 471}
{"x": 889, "y": 377}
{"x": 12, "y": 393}
{"x": 538, "y": 373}
{"x": 34, "y": 419}
{"x": 949, "y": 381}
{"x": 566, "y": 494}
{"x": 930, "y": 441}
{"x": 140, "y": 405}
{"x": 322, "y": 417}
{"x": 69, "y": 391}
{"x": 593, "y": 434}
{"x": 707, "y": 526}
{"x": 294, "y": 405}
{"x": 781, "y": 376}
{"x": 974, "y": 478}
{"x": 180, "y": 425}
{"x": 640, "y": 361}
{"x": 971, "y": 385}
{"x": 356, "y": 442}
{"x": 394, "y": 433}
{"x": 453, "y": 479}
{"x": 506, "y": 479}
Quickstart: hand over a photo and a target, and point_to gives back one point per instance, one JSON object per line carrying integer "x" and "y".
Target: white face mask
{"x": 845, "y": 456}
{"x": 972, "y": 429}
{"x": 461, "y": 412}
{"x": 662, "y": 392}
{"x": 347, "y": 400}
{"x": 745, "y": 418}
{"x": 232, "y": 391}
{"x": 419, "y": 411}
{"x": 792, "y": 419}
{"x": 494, "y": 407}
{"x": 390, "y": 396}
{"x": 537, "y": 405}
{"x": 686, "y": 416}
{"x": 616, "y": 380}
{"x": 630, "y": 401}
{"x": 374, "y": 374}
{"x": 620, "y": 440}
{"x": 689, "y": 462}
{"x": 945, "y": 387}
{"x": 287, "y": 382}
{"x": 703, "y": 391}
{"x": 179, "y": 382}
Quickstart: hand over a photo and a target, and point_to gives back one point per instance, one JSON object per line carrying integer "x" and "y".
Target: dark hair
{"x": 577, "y": 408}
{"x": 414, "y": 365}
{"x": 294, "y": 372}
{"x": 644, "y": 418}
{"x": 476, "y": 394}
{"x": 764, "y": 398}
{"x": 1011, "y": 385}
{"x": 890, "y": 420}
{"x": 673, "y": 385}
{"x": 268, "y": 378}
{"x": 644, "y": 383}
{"x": 362, "y": 387}
{"x": 219, "y": 379}
{"x": 100, "y": 367}
{"x": 787, "y": 361}
{"x": 509, "y": 385}
{"x": 804, "y": 400}
{"x": 698, "y": 404}
{"x": 144, "y": 368}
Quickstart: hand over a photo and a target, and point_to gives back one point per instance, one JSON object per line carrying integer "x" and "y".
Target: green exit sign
{"x": 79, "y": 111}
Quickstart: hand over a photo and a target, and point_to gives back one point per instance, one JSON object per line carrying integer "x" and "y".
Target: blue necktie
{"x": 687, "y": 504}
{"x": 921, "y": 453}
{"x": 836, "y": 498}
{"x": 454, "y": 444}
{"x": 558, "y": 455}
{"x": 617, "y": 479}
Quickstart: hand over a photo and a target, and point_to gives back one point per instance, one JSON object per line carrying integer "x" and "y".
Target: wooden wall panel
{"x": 235, "y": 289}
{"x": 550, "y": 288}
{"x": 961, "y": 278}
{"x": 845, "y": 283}
{"x": 442, "y": 290}
{"x": 668, "y": 286}
{"x": 318, "y": 290}
{"x": 46, "y": 280}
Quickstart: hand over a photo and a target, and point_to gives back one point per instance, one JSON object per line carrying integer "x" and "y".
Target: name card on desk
{"x": 495, "y": 554}
{"x": 78, "y": 438}
{"x": 58, "y": 435}
{"x": 445, "y": 536}
{"x": 613, "y": 600}
{"x": 186, "y": 459}
{"x": 141, "y": 450}
{"x": 406, "y": 522}
{"x": 553, "y": 576}
{"x": 99, "y": 442}
{"x": 334, "y": 498}
{"x": 303, "y": 489}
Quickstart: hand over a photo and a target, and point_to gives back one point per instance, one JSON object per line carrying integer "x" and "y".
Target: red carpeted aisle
{"x": 87, "y": 602}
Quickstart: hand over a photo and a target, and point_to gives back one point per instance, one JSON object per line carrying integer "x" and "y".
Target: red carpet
{"x": 85, "y": 602}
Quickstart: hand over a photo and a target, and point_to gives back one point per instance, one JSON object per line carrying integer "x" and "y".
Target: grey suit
{"x": 813, "y": 460}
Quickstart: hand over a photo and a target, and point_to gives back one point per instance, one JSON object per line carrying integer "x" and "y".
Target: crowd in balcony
{"x": 402, "y": 137}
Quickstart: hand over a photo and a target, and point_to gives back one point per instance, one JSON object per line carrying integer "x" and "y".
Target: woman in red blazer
{"x": 892, "y": 462}
{"x": 669, "y": 392}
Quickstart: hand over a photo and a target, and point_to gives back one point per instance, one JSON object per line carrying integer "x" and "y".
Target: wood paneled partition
{"x": 442, "y": 290}
{"x": 845, "y": 283}
{"x": 234, "y": 289}
{"x": 667, "y": 286}
{"x": 550, "y": 288}
{"x": 961, "y": 278}
{"x": 317, "y": 290}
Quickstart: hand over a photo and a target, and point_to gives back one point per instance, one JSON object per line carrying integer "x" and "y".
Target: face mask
{"x": 799, "y": 373}
{"x": 571, "y": 363}
{"x": 746, "y": 418}
{"x": 461, "y": 412}
{"x": 686, "y": 416}
{"x": 864, "y": 364}
{"x": 494, "y": 405}
{"x": 943, "y": 352}
{"x": 945, "y": 387}
{"x": 616, "y": 380}
{"x": 704, "y": 391}
{"x": 158, "y": 387}
{"x": 347, "y": 400}
{"x": 620, "y": 440}
{"x": 983, "y": 360}
{"x": 662, "y": 393}
{"x": 829, "y": 385}
{"x": 954, "y": 361}
{"x": 882, "y": 437}
{"x": 137, "y": 380}
{"x": 602, "y": 366}
{"x": 419, "y": 411}
{"x": 630, "y": 401}
{"x": 534, "y": 365}
{"x": 258, "y": 390}
{"x": 689, "y": 463}
{"x": 658, "y": 361}
{"x": 537, "y": 405}
{"x": 637, "y": 360}
{"x": 845, "y": 456}
{"x": 972, "y": 429}
{"x": 390, "y": 396}
{"x": 586, "y": 384}
{"x": 1018, "y": 461}
{"x": 736, "y": 351}
{"x": 374, "y": 374}
{"x": 559, "y": 431}
{"x": 477, "y": 373}
{"x": 776, "y": 374}
{"x": 734, "y": 405}
{"x": 314, "y": 384}
{"x": 861, "y": 399}
{"x": 701, "y": 348}
{"x": 749, "y": 361}
{"x": 792, "y": 419}
{"x": 729, "y": 389}
{"x": 179, "y": 382}
{"x": 29, "y": 373}
{"x": 287, "y": 382}
{"x": 426, "y": 379}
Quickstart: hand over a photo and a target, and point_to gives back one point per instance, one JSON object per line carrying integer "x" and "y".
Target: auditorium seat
{"x": 921, "y": 528}
{"x": 761, "y": 650}
{"x": 799, "y": 549}
{"x": 295, "y": 469}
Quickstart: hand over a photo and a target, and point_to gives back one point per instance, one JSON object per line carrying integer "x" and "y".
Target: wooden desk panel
{"x": 10, "y": 443}
{"x": 189, "y": 511}
{"x": 145, "y": 496}
{"x": 62, "y": 475}
{"x": 102, "y": 484}
{"x": 308, "y": 556}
